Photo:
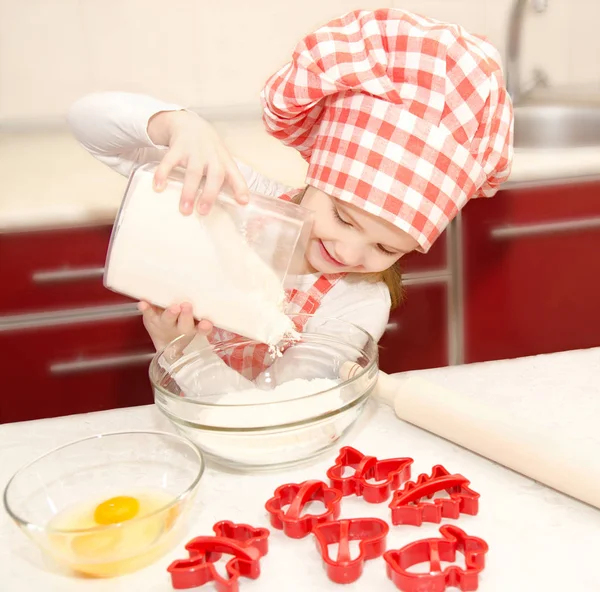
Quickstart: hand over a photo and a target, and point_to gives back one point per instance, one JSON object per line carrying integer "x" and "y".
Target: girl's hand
{"x": 165, "y": 325}
{"x": 195, "y": 145}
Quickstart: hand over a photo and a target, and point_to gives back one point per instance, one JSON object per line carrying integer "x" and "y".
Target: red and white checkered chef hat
{"x": 404, "y": 116}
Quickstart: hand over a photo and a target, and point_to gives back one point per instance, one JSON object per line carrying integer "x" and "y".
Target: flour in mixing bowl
{"x": 287, "y": 403}
{"x": 293, "y": 389}
{"x": 255, "y": 427}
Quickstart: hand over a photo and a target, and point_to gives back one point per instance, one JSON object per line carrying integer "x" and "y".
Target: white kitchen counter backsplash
{"x": 214, "y": 54}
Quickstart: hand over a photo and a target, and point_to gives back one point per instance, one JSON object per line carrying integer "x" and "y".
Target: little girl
{"x": 401, "y": 119}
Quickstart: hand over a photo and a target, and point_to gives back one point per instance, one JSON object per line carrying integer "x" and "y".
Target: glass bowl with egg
{"x": 108, "y": 504}
{"x": 253, "y": 407}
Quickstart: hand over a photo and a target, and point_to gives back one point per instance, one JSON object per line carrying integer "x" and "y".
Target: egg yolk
{"x": 116, "y": 509}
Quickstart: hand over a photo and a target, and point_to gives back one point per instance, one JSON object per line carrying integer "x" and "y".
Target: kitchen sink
{"x": 557, "y": 125}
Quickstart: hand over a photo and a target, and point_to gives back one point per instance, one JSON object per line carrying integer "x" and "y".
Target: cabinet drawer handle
{"x": 55, "y": 276}
{"x": 426, "y": 278}
{"x": 89, "y": 364}
{"x": 57, "y": 318}
{"x": 545, "y": 228}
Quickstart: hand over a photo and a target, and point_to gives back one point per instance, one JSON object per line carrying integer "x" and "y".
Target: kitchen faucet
{"x": 513, "y": 50}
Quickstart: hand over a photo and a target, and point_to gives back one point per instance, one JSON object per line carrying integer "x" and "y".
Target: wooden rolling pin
{"x": 493, "y": 433}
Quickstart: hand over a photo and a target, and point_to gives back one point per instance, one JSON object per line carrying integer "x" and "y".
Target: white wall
{"x": 218, "y": 53}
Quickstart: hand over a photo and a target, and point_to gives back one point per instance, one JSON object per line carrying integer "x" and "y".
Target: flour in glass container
{"x": 158, "y": 255}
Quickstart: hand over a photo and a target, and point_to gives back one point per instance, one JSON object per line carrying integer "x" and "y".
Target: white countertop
{"x": 48, "y": 179}
{"x": 540, "y": 540}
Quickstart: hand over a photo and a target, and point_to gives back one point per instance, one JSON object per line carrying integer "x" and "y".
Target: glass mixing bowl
{"x": 57, "y": 499}
{"x": 278, "y": 408}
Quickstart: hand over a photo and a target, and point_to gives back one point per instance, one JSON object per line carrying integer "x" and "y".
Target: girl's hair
{"x": 392, "y": 276}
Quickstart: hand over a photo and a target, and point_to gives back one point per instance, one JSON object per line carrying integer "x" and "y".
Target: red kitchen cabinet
{"x": 417, "y": 334}
{"x": 75, "y": 367}
{"x": 69, "y": 344}
{"x": 435, "y": 259}
{"x": 532, "y": 271}
{"x": 54, "y": 269}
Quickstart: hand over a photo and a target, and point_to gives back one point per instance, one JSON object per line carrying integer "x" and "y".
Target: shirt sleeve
{"x": 358, "y": 301}
{"x": 113, "y": 128}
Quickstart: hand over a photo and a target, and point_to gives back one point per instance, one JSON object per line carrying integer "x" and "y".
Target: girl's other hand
{"x": 165, "y": 325}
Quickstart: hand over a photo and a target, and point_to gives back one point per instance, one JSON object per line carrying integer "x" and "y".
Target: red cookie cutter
{"x": 434, "y": 551}
{"x": 389, "y": 474}
{"x": 408, "y": 506}
{"x": 244, "y": 534}
{"x": 296, "y": 496}
{"x": 371, "y": 532}
{"x": 245, "y": 543}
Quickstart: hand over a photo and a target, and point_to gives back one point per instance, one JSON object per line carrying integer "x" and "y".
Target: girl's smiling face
{"x": 346, "y": 239}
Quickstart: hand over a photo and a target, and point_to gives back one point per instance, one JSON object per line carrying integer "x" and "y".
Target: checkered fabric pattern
{"x": 252, "y": 359}
{"x": 403, "y": 116}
